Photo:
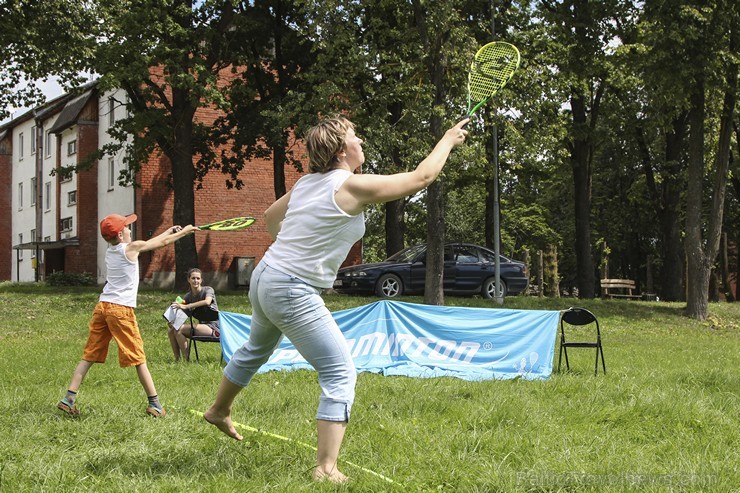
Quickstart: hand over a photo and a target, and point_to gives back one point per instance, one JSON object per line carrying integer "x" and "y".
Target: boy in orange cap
{"x": 114, "y": 314}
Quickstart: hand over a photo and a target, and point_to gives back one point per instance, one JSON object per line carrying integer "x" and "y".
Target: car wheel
{"x": 389, "y": 286}
{"x": 489, "y": 288}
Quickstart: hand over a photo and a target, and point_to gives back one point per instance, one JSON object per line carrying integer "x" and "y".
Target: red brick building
{"x": 54, "y": 221}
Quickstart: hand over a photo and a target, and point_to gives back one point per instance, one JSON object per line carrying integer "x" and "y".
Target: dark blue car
{"x": 468, "y": 270}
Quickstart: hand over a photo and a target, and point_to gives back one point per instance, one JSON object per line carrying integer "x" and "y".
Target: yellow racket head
{"x": 229, "y": 224}
{"x": 493, "y": 67}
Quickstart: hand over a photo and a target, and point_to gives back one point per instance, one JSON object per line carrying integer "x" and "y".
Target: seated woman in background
{"x": 200, "y": 302}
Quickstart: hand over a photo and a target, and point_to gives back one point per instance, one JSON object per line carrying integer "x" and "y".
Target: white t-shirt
{"x": 316, "y": 234}
{"x": 122, "y": 279}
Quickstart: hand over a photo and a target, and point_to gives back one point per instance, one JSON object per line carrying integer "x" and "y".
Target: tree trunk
{"x": 666, "y": 197}
{"x": 278, "y": 167}
{"x": 713, "y": 286}
{"x": 433, "y": 40}
{"x": 735, "y": 179}
{"x": 670, "y": 226}
{"x": 434, "y": 282}
{"x": 490, "y": 181}
{"x": 540, "y": 274}
{"x": 395, "y": 226}
{"x": 722, "y": 163}
{"x": 581, "y": 164}
{"x": 722, "y": 167}
{"x": 183, "y": 178}
{"x": 585, "y": 109}
{"x": 737, "y": 271}
{"x": 528, "y": 265}
{"x": 488, "y": 220}
{"x": 725, "y": 270}
{"x": 700, "y": 261}
{"x": 551, "y": 276}
{"x": 698, "y": 264}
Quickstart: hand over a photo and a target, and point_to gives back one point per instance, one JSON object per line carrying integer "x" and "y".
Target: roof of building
{"x": 50, "y": 106}
{"x": 71, "y": 112}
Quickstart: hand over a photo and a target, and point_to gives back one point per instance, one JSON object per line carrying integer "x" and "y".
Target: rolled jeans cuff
{"x": 333, "y": 410}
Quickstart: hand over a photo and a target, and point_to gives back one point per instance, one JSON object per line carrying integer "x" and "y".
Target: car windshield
{"x": 407, "y": 255}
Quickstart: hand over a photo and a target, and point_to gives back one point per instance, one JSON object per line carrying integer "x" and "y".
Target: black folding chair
{"x": 203, "y": 316}
{"x": 580, "y": 317}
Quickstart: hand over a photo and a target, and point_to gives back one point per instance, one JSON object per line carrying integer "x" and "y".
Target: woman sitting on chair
{"x": 200, "y": 303}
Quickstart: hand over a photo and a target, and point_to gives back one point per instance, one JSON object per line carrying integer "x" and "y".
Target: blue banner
{"x": 395, "y": 338}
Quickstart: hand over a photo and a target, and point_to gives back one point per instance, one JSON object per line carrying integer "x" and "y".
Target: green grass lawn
{"x": 665, "y": 417}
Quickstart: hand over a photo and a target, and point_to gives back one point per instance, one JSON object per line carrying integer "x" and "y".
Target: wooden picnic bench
{"x": 625, "y": 287}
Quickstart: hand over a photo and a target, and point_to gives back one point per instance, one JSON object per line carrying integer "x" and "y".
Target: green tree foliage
{"x": 40, "y": 39}
{"x": 269, "y": 83}
{"x": 396, "y": 70}
{"x": 671, "y": 93}
{"x": 170, "y": 57}
{"x": 615, "y": 137}
{"x": 713, "y": 32}
{"x": 579, "y": 35}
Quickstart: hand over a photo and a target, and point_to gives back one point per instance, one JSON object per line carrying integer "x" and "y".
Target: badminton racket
{"x": 493, "y": 67}
{"x": 232, "y": 224}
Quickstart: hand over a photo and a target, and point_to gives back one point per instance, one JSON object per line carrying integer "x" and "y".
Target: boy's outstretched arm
{"x": 170, "y": 235}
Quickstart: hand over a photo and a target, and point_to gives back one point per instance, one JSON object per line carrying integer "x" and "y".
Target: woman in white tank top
{"x": 314, "y": 226}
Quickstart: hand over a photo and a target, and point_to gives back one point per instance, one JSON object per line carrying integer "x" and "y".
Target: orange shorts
{"x": 110, "y": 320}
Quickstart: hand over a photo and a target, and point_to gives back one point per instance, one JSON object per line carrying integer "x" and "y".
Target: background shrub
{"x": 71, "y": 279}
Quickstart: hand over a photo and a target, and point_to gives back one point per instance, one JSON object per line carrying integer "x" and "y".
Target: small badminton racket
{"x": 492, "y": 68}
{"x": 232, "y": 224}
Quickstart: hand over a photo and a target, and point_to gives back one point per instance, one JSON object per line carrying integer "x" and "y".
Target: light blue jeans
{"x": 283, "y": 305}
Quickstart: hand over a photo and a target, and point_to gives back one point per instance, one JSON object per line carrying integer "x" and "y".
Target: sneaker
{"x": 156, "y": 413}
{"x": 69, "y": 409}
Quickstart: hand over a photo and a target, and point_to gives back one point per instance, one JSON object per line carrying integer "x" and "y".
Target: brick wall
{"x": 213, "y": 202}
{"x": 216, "y": 250}
{"x": 83, "y": 258}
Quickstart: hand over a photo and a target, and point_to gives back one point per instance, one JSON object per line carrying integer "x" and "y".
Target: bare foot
{"x": 333, "y": 475}
{"x": 223, "y": 423}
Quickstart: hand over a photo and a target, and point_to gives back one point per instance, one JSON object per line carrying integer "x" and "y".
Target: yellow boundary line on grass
{"x": 302, "y": 444}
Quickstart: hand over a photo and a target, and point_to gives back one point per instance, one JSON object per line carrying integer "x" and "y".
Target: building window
{"x": 111, "y": 112}
{"x": 71, "y": 147}
{"x": 34, "y": 191}
{"x": 20, "y": 145}
{"x": 72, "y": 197}
{"x": 47, "y": 143}
{"x": 33, "y": 140}
{"x": 47, "y": 196}
{"x": 66, "y": 224}
{"x": 111, "y": 174}
{"x": 33, "y": 240}
{"x": 20, "y": 196}
{"x": 47, "y": 238}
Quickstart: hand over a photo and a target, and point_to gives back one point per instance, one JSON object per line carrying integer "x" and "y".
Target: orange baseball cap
{"x": 114, "y": 224}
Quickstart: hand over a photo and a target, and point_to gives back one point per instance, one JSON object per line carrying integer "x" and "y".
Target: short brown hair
{"x": 324, "y": 141}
